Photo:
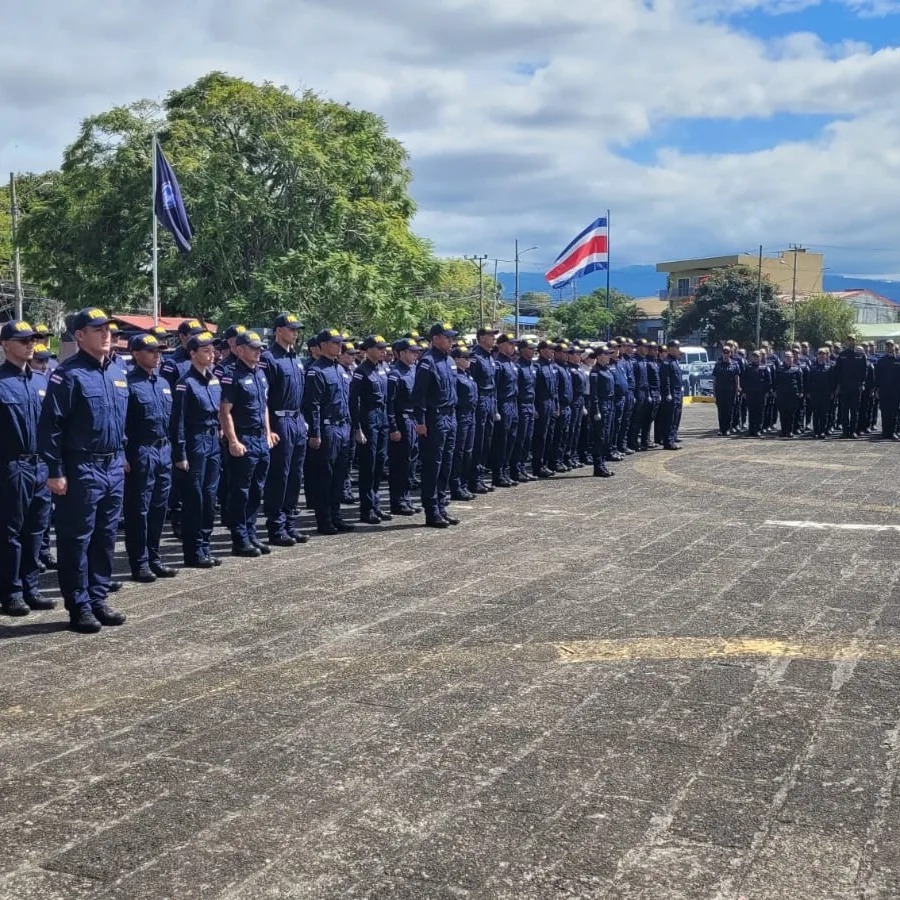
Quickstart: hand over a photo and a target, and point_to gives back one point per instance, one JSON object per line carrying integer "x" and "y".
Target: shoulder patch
{"x": 358, "y": 375}
{"x": 180, "y": 387}
{"x": 120, "y": 383}
{"x": 213, "y": 381}
{"x": 56, "y": 379}
{"x": 225, "y": 379}
{"x": 166, "y": 391}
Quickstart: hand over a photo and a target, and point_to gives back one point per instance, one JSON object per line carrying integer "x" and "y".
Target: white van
{"x": 693, "y": 360}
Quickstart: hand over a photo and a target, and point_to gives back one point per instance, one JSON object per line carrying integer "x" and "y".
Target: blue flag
{"x": 169, "y": 205}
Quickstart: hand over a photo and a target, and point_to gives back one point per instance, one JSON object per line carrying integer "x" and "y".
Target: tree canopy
{"x": 297, "y": 203}
{"x": 823, "y": 317}
{"x": 586, "y": 317}
{"x": 725, "y": 307}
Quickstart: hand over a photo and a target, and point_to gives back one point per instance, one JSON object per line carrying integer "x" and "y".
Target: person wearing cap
{"x": 434, "y": 403}
{"x": 672, "y": 390}
{"x": 466, "y": 407}
{"x": 24, "y": 496}
{"x": 369, "y": 426}
{"x": 171, "y": 369}
{"x": 564, "y": 396}
{"x": 626, "y": 366}
{"x": 348, "y": 360}
{"x": 286, "y": 379}
{"x": 851, "y": 371}
{"x": 820, "y": 387}
{"x": 867, "y": 400}
{"x": 621, "y": 392}
{"x": 222, "y": 365}
{"x": 244, "y": 420}
{"x": 755, "y": 386}
{"x": 312, "y": 349}
{"x": 148, "y": 460}
{"x": 887, "y": 384}
{"x": 526, "y": 377}
{"x": 81, "y": 437}
{"x": 726, "y": 389}
{"x": 41, "y": 362}
{"x": 483, "y": 370}
{"x": 402, "y": 438}
{"x": 580, "y": 390}
{"x": 789, "y": 387}
{"x": 546, "y": 410}
{"x": 601, "y": 410}
{"x": 641, "y": 394}
{"x": 196, "y": 451}
{"x": 506, "y": 389}
{"x": 770, "y": 404}
{"x": 326, "y": 406}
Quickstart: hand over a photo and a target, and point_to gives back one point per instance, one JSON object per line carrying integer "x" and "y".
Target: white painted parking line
{"x": 830, "y": 526}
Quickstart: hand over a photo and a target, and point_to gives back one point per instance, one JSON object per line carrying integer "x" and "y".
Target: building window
{"x": 684, "y": 287}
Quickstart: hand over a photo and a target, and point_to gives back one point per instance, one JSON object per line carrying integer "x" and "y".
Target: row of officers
{"x": 245, "y": 427}
{"x": 840, "y": 389}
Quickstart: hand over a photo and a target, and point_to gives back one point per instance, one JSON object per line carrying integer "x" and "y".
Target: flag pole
{"x": 155, "y": 235}
{"x": 607, "y": 272}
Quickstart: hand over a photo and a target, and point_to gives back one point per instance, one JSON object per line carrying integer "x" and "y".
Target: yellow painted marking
{"x": 789, "y": 463}
{"x": 632, "y": 649}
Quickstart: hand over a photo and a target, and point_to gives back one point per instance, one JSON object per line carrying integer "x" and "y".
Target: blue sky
{"x": 706, "y": 126}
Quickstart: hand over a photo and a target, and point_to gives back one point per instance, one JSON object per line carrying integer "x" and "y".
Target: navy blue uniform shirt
{"x": 435, "y": 384}
{"x": 506, "y": 379}
{"x": 21, "y": 394}
{"x": 466, "y": 393}
{"x": 195, "y": 409}
{"x": 368, "y": 391}
{"x": 545, "y": 387}
{"x": 175, "y": 365}
{"x": 84, "y": 411}
{"x": 527, "y": 375}
{"x": 483, "y": 371}
{"x": 247, "y": 391}
{"x": 149, "y": 408}
{"x": 399, "y": 394}
{"x": 327, "y": 395}
{"x": 284, "y": 372}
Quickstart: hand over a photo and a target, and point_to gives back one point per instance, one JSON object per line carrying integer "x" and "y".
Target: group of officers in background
{"x": 835, "y": 389}
{"x": 234, "y": 425}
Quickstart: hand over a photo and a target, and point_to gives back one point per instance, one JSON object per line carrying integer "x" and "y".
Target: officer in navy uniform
{"x": 434, "y": 402}
{"x": 617, "y": 369}
{"x": 626, "y": 365}
{"x": 402, "y": 438}
{"x": 602, "y": 410}
{"x": 284, "y": 373}
{"x": 820, "y": 386}
{"x": 483, "y": 371}
{"x": 546, "y": 410}
{"x": 81, "y": 437}
{"x": 326, "y": 405}
{"x": 466, "y": 405}
{"x": 244, "y": 419}
{"x": 672, "y": 391}
{"x": 651, "y": 413}
{"x": 224, "y": 363}
{"x": 196, "y": 450}
{"x": 42, "y": 362}
{"x": 580, "y": 389}
{"x": 24, "y": 497}
{"x": 525, "y": 398}
{"x": 506, "y": 380}
{"x": 755, "y": 385}
{"x": 887, "y": 384}
{"x": 851, "y": 370}
{"x": 148, "y": 460}
{"x": 789, "y": 389}
{"x": 726, "y": 389}
{"x": 171, "y": 369}
{"x": 563, "y": 423}
{"x": 641, "y": 395}
{"x": 369, "y": 426}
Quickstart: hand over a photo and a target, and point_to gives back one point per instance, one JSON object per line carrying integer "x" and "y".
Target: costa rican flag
{"x": 589, "y": 252}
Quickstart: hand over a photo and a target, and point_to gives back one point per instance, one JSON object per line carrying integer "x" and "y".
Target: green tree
{"x": 587, "y": 317}
{"x": 823, "y": 317}
{"x": 297, "y": 203}
{"x": 535, "y": 303}
{"x": 725, "y": 306}
{"x": 457, "y": 298}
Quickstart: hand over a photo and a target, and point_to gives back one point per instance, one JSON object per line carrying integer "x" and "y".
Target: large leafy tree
{"x": 587, "y": 317}
{"x": 463, "y": 297}
{"x": 297, "y": 203}
{"x": 725, "y": 306}
{"x": 823, "y": 317}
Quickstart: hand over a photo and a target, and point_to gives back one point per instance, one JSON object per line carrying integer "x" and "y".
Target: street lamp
{"x": 518, "y": 254}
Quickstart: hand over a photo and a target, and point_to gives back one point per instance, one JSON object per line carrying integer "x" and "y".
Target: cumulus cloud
{"x": 519, "y": 114}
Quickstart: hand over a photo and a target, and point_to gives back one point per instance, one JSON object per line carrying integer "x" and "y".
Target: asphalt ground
{"x": 681, "y": 682}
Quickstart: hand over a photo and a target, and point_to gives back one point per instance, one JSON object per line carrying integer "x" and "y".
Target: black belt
{"x": 22, "y": 457}
{"x": 286, "y": 413}
{"x": 250, "y": 432}
{"x": 103, "y": 457}
{"x": 335, "y": 421}
{"x": 162, "y": 442}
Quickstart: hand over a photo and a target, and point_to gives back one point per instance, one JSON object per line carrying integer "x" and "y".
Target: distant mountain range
{"x": 645, "y": 281}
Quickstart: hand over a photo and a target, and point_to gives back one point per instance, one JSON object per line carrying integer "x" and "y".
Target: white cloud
{"x": 500, "y": 153}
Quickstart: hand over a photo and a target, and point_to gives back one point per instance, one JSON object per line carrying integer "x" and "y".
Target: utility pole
{"x": 796, "y": 248}
{"x": 479, "y": 261}
{"x": 496, "y": 294}
{"x": 17, "y": 271}
{"x": 519, "y": 253}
